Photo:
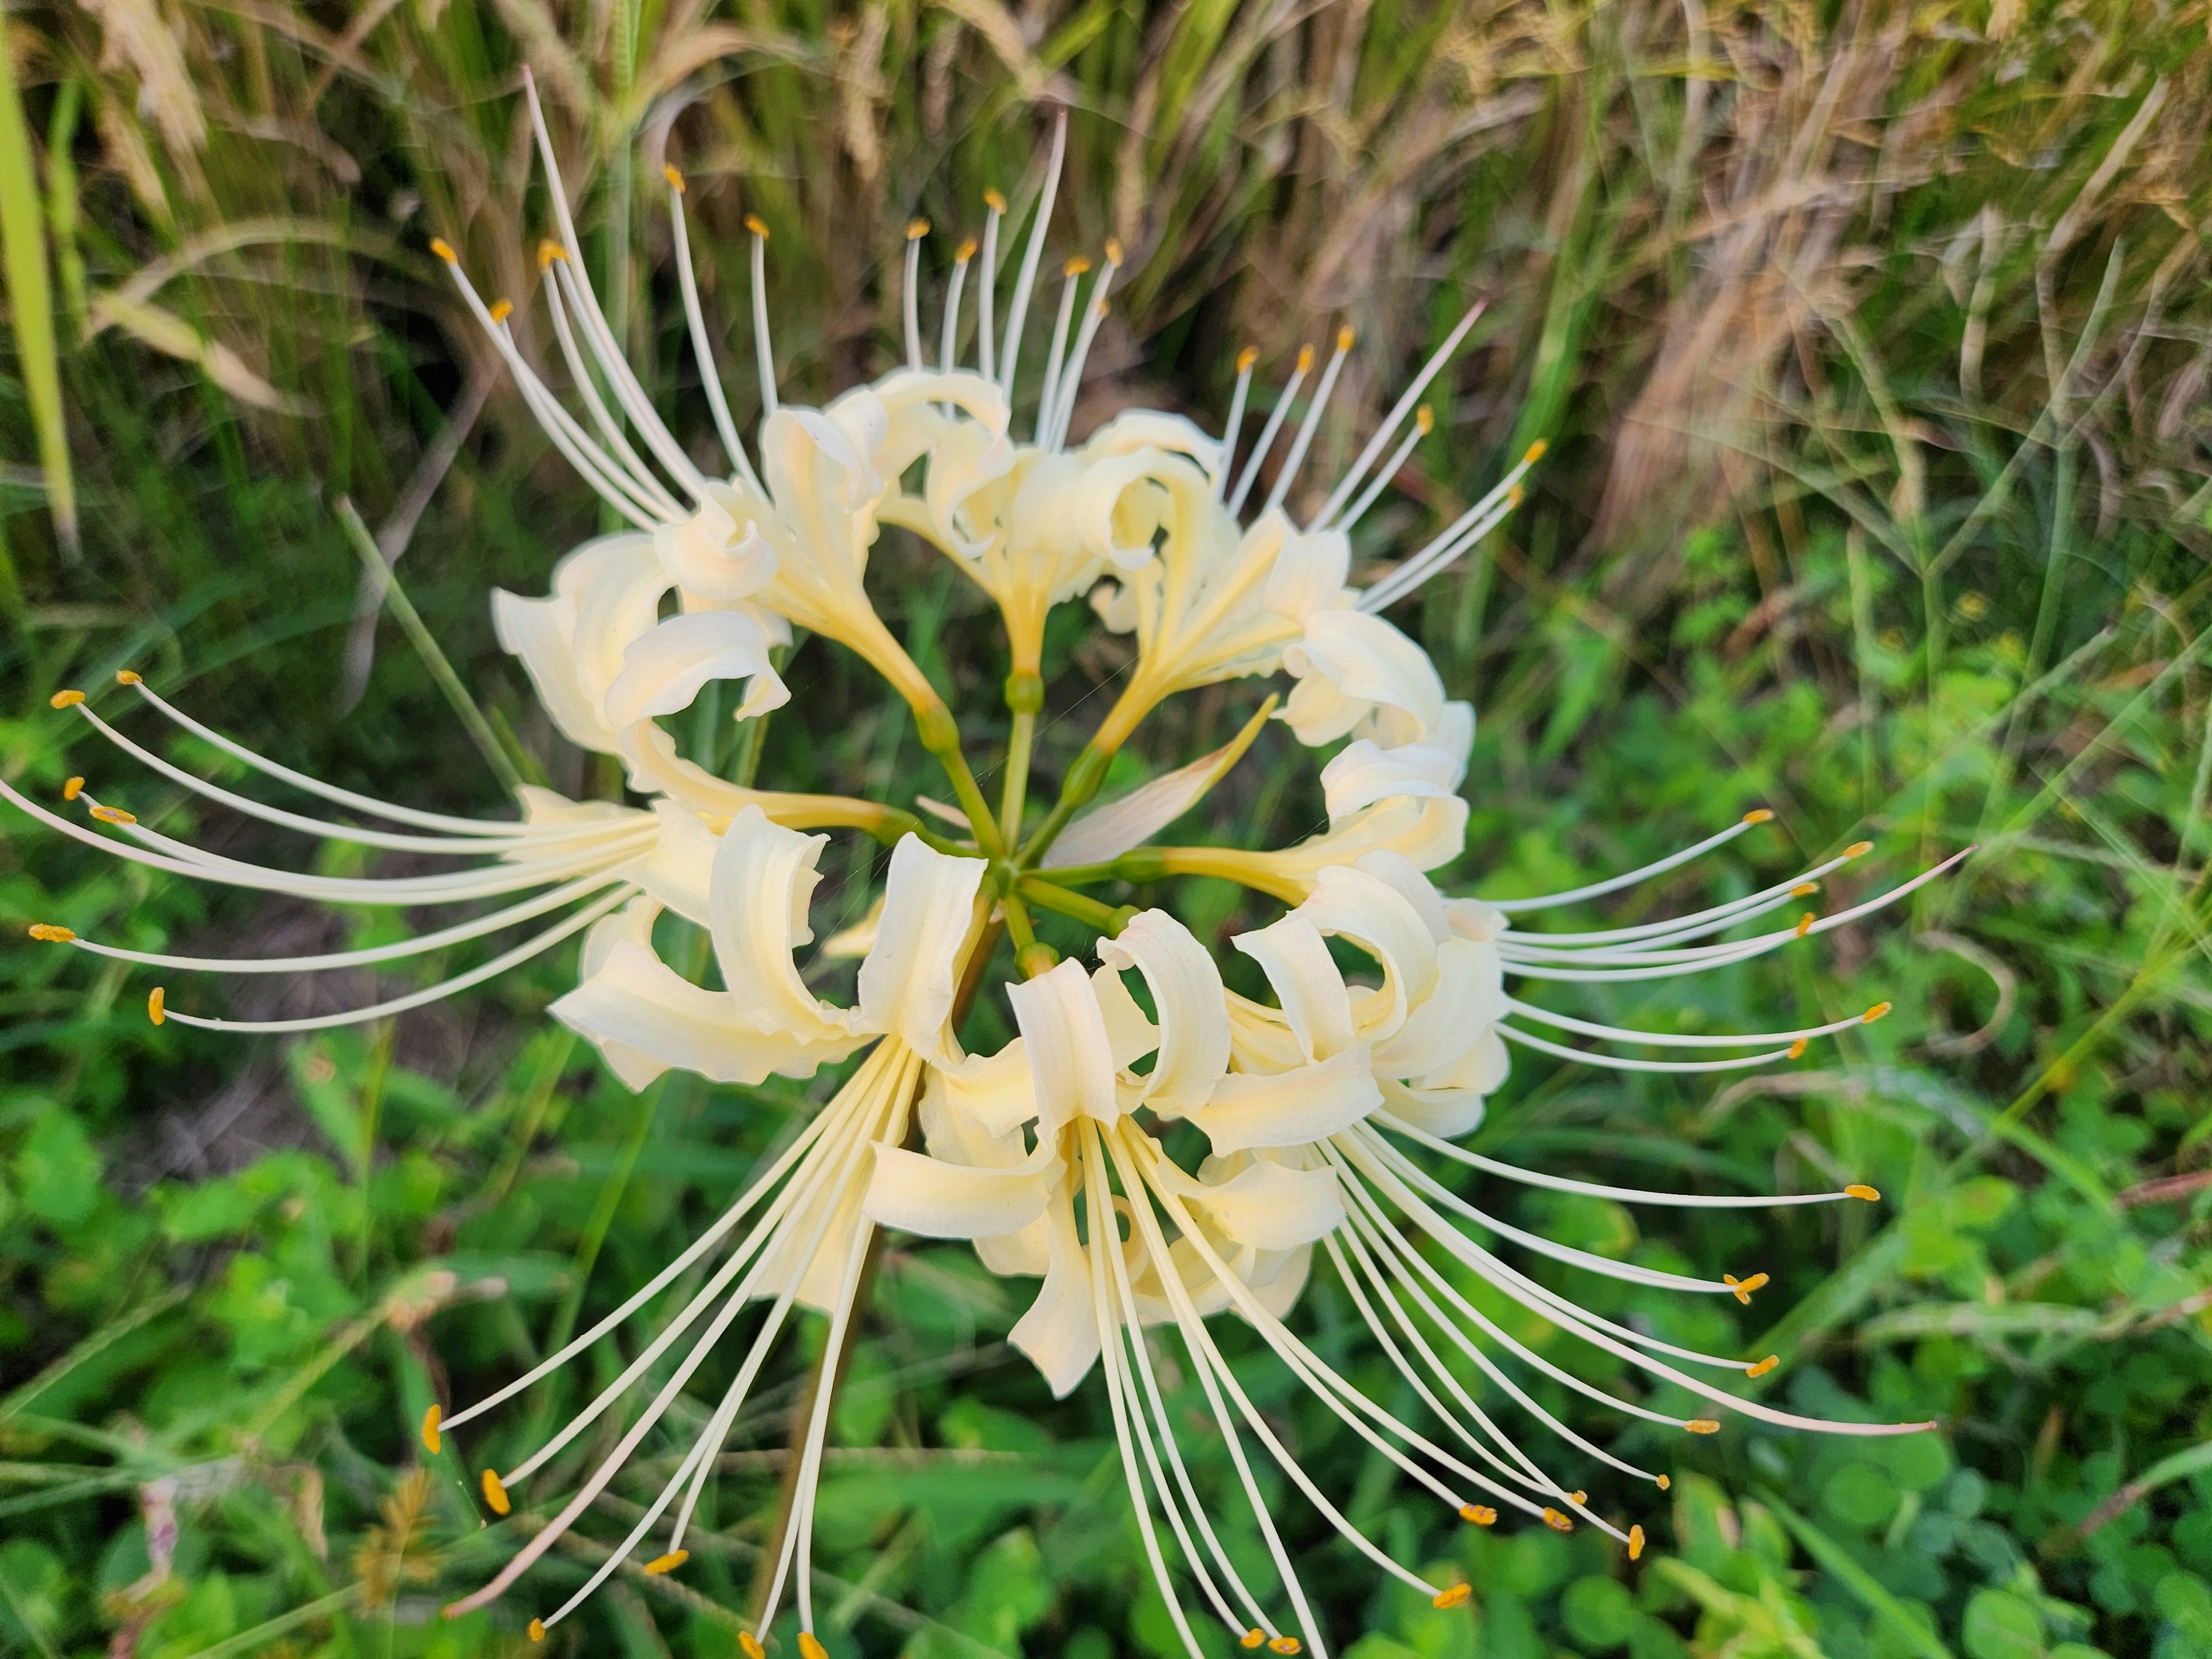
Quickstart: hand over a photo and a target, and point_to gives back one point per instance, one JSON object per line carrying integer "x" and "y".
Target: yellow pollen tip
{"x": 757, "y": 225}
{"x": 1742, "y": 1288}
{"x": 444, "y": 250}
{"x": 1664, "y": 1482}
{"x": 495, "y": 1492}
{"x": 1764, "y": 1366}
{"x": 1859, "y": 849}
{"x": 156, "y": 1008}
{"x": 65, "y": 699}
{"x": 548, "y": 251}
{"x": 433, "y": 1441}
{"x": 667, "y": 1563}
{"x": 993, "y": 201}
{"x": 1514, "y": 497}
{"x": 1286, "y": 1644}
{"x": 1305, "y": 358}
{"x": 1114, "y": 252}
{"x": 1803, "y": 888}
{"x": 1344, "y": 338}
{"x": 1635, "y": 1543}
{"x": 1425, "y": 420}
{"x": 916, "y": 229}
{"x": 537, "y": 1630}
{"x": 1254, "y": 1637}
{"x": 1874, "y": 1013}
{"x": 1477, "y": 1515}
{"x": 1536, "y": 453}
{"x": 1452, "y": 1598}
{"x": 749, "y": 1644}
{"x": 502, "y": 310}
{"x": 809, "y": 1647}
{"x": 1797, "y": 1049}
{"x": 1556, "y": 1522}
{"x": 965, "y": 252}
{"x": 113, "y": 815}
{"x": 52, "y": 932}
{"x": 1578, "y": 1499}
{"x": 1702, "y": 1425}
{"x": 1759, "y": 815}
{"x": 1805, "y": 923}
{"x": 675, "y": 179}
{"x": 127, "y": 676}
{"x": 1246, "y": 358}
{"x": 73, "y": 788}
{"x": 1075, "y": 267}
{"x": 1860, "y": 1190}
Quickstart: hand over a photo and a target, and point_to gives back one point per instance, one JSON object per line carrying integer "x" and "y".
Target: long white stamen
{"x": 1672, "y": 1040}
{"x": 949, "y": 342}
{"x": 1369, "y": 1222}
{"x": 1694, "y": 924}
{"x": 1722, "y": 956}
{"x": 1423, "y": 424}
{"x": 1385, "y": 1238}
{"x": 987, "y": 341}
{"x": 460, "y": 933}
{"x": 1275, "y": 419}
{"x": 1614, "y": 884}
{"x": 612, "y": 483}
{"x": 1622, "y": 1063}
{"x": 604, "y": 347}
{"x": 1162, "y": 1428}
{"x": 763, "y": 356}
{"x": 1104, "y": 1230}
{"x": 499, "y": 964}
{"x": 520, "y": 837}
{"x": 1288, "y": 474}
{"x": 1018, "y": 312}
{"x": 829, "y": 1118}
{"x": 1233, "y": 424}
{"x": 710, "y": 376}
{"x": 911, "y": 298}
{"x": 1094, "y": 313}
{"x": 613, "y": 1462}
{"x": 1521, "y": 1469}
{"x": 558, "y": 279}
{"x": 1406, "y": 402}
{"x": 1463, "y": 534}
{"x": 1526, "y": 1177}
{"x": 1048, "y": 395}
{"x": 486, "y": 881}
{"x": 1425, "y": 1218}
{"x": 1323, "y": 1383}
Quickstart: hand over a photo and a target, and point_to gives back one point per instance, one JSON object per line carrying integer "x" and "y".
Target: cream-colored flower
{"x": 810, "y": 1235}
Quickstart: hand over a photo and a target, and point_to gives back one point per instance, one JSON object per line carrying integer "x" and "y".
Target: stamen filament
{"x": 1406, "y": 402}
{"x": 1289, "y": 472}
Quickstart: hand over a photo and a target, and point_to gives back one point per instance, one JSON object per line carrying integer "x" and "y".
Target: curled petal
{"x": 1309, "y": 569}
{"x": 709, "y": 555}
{"x": 1290, "y": 1108}
{"x": 1350, "y": 666}
{"x": 1464, "y": 1009}
{"x": 763, "y": 879}
{"x": 1264, "y": 1205}
{"x": 1316, "y": 1001}
{"x": 680, "y": 871}
{"x": 663, "y": 668}
{"x": 1361, "y": 773}
{"x": 907, "y": 981}
{"x": 1194, "y": 1024}
{"x": 939, "y": 1199}
{"x": 1071, "y": 1058}
{"x": 1059, "y": 1332}
{"x": 637, "y": 1001}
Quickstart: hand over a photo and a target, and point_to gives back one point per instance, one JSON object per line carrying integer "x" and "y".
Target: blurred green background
{"x": 1872, "y": 341}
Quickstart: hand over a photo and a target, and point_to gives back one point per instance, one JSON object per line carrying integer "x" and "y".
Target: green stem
{"x": 1031, "y": 954}
{"x": 418, "y": 636}
{"x": 1081, "y": 784}
{"x": 1024, "y": 696}
{"x": 941, "y": 736}
{"x": 1108, "y": 918}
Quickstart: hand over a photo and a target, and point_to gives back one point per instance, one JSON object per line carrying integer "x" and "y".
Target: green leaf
{"x": 57, "y": 1170}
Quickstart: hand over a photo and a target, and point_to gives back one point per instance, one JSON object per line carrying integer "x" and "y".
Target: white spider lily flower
{"x": 1308, "y": 1113}
{"x": 811, "y": 1236}
{"x": 576, "y": 862}
{"x": 790, "y": 537}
